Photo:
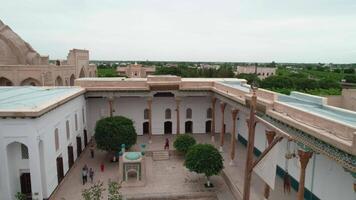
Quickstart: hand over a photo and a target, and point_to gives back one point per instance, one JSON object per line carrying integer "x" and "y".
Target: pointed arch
{"x": 146, "y": 113}
{"x": 17, "y": 152}
{"x": 188, "y": 113}
{"x": 71, "y": 80}
{"x": 5, "y": 82}
{"x": 168, "y": 114}
{"x": 81, "y": 74}
{"x": 58, "y": 81}
{"x": 30, "y": 81}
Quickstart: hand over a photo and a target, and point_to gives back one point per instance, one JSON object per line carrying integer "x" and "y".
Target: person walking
{"x": 92, "y": 151}
{"x": 91, "y": 174}
{"x": 85, "y": 174}
{"x": 166, "y": 145}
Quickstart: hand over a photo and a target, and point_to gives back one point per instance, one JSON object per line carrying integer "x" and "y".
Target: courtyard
{"x": 169, "y": 179}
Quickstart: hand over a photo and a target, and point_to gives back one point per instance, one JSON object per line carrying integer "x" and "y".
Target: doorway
{"x": 167, "y": 127}
{"x": 79, "y": 146}
{"x": 146, "y": 127}
{"x": 85, "y": 138}
{"x": 188, "y": 127}
{"x": 208, "y": 126}
{"x": 25, "y": 182}
{"x": 70, "y": 156}
{"x": 60, "y": 171}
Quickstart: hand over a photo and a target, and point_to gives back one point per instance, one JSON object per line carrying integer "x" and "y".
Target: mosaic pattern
{"x": 309, "y": 142}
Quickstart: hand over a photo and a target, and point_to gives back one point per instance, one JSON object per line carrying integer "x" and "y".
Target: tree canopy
{"x": 112, "y": 132}
{"x": 204, "y": 158}
{"x": 183, "y": 142}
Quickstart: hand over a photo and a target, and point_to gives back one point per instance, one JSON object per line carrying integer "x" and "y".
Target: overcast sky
{"x": 189, "y": 30}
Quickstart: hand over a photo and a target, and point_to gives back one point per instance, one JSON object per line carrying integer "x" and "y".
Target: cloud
{"x": 255, "y": 30}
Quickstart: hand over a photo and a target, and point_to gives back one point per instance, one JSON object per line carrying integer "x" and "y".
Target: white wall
{"x": 330, "y": 180}
{"x": 30, "y": 132}
{"x": 133, "y": 108}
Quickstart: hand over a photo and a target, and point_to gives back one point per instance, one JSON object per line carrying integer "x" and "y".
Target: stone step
{"x": 160, "y": 155}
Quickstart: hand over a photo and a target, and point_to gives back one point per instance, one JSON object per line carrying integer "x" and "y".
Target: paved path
{"x": 236, "y": 172}
{"x": 163, "y": 178}
{"x": 168, "y": 177}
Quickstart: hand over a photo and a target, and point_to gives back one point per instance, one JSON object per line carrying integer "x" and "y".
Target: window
{"x": 76, "y": 122}
{"x": 83, "y": 115}
{"x": 24, "y": 151}
{"x": 56, "y": 139}
{"x": 67, "y": 129}
{"x": 209, "y": 113}
{"x": 168, "y": 113}
{"x": 188, "y": 113}
{"x": 146, "y": 114}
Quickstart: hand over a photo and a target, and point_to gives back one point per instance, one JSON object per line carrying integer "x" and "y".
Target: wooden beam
{"x": 265, "y": 152}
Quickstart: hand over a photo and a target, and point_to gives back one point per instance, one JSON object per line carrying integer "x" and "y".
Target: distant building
{"x": 135, "y": 71}
{"x": 347, "y": 99}
{"x": 262, "y": 72}
{"x": 20, "y": 64}
{"x": 208, "y": 66}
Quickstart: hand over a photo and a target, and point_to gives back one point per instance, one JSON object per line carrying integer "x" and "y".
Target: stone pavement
{"x": 236, "y": 172}
{"x": 166, "y": 179}
{"x": 169, "y": 178}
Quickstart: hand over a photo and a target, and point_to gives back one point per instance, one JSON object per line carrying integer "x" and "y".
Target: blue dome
{"x": 133, "y": 155}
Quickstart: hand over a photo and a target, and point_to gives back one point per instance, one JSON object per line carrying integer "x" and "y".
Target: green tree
{"x": 350, "y": 78}
{"x": 277, "y": 82}
{"x": 183, "y": 142}
{"x": 250, "y": 78}
{"x": 204, "y": 158}
{"x": 112, "y": 132}
{"x": 113, "y": 190}
{"x": 327, "y": 83}
{"x": 95, "y": 192}
{"x": 20, "y": 196}
{"x": 349, "y": 71}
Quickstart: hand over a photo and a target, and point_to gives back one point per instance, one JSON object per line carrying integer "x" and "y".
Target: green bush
{"x": 112, "y": 132}
{"x": 183, "y": 142}
{"x": 204, "y": 158}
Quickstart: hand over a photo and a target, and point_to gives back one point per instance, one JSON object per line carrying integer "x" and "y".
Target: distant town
{"x": 313, "y": 78}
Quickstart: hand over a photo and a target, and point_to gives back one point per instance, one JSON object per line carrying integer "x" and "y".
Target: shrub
{"x": 204, "y": 158}
{"x": 183, "y": 142}
{"x": 112, "y": 132}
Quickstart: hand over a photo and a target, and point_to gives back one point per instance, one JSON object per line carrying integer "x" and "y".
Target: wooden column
{"x": 111, "y": 110}
{"x": 304, "y": 157}
{"x": 149, "y": 104}
{"x": 213, "y": 101}
{"x": 222, "y": 133}
{"x": 234, "y": 113}
{"x": 177, "y": 110}
{"x": 250, "y": 146}
{"x": 270, "y": 137}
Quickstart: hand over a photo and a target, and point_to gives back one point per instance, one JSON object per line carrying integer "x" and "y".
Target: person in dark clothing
{"x": 92, "y": 151}
{"x": 166, "y": 145}
{"x": 91, "y": 174}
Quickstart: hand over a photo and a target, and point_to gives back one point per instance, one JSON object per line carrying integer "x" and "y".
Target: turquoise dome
{"x": 133, "y": 155}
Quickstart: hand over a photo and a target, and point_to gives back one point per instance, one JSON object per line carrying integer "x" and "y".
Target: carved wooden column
{"x": 213, "y": 101}
{"x": 250, "y": 146}
{"x": 304, "y": 157}
{"x": 111, "y": 110}
{"x": 177, "y": 110}
{"x": 222, "y": 133}
{"x": 149, "y": 104}
{"x": 234, "y": 113}
{"x": 270, "y": 137}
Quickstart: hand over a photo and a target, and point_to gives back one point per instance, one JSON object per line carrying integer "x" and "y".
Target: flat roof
{"x": 19, "y": 100}
{"x": 314, "y": 106}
